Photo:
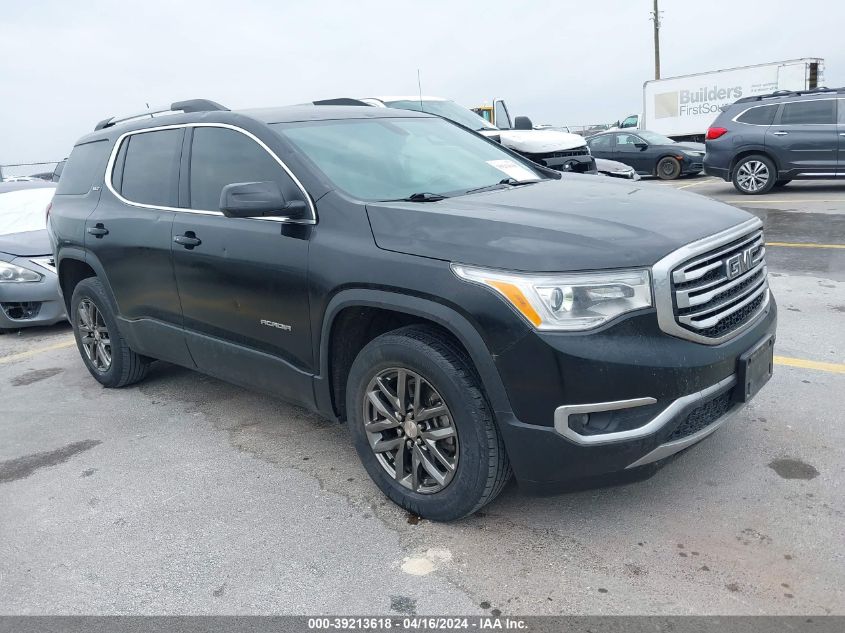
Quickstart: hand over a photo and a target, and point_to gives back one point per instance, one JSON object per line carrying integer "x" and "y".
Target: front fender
{"x": 442, "y": 315}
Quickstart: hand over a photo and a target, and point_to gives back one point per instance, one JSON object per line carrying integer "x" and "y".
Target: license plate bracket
{"x": 754, "y": 369}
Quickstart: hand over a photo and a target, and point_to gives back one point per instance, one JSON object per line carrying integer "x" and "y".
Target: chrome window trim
{"x": 661, "y": 274}
{"x": 228, "y": 126}
{"x": 652, "y": 426}
{"x": 765, "y": 105}
{"x": 784, "y": 103}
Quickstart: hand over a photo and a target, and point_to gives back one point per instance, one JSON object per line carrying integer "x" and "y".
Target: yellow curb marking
{"x": 836, "y": 368}
{"x": 11, "y": 358}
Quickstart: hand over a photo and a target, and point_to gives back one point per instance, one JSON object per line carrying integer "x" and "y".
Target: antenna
{"x": 419, "y": 87}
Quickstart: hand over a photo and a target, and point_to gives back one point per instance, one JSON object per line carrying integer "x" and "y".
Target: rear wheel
{"x": 104, "y": 351}
{"x": 754, "y": 175}
{"x": 668, "y": 168}
{"x": 422, "y": 427}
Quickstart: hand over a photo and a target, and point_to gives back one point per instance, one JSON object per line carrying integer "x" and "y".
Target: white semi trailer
{"x": 683, "y": 107}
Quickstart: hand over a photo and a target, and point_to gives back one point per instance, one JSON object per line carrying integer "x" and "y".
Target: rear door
{"x": 804, "y": 138}
{"x": 242, "y": 281}
{"x": 129, "y": 236}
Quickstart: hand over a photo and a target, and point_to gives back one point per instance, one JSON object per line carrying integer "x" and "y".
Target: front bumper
{"x": 683, "y": 392}
{"x": 31, "y": 303}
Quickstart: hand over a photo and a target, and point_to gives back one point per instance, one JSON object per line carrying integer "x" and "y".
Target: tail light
{"x": 715, "y": 132}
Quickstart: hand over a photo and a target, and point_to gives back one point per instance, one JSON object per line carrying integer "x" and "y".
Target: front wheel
{"x": 754, "y": 175}
{"x": 668, "y": 168}
{"x": 422, "y": 427}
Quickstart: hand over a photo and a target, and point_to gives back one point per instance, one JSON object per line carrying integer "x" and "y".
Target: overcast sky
{"x": 65, "y": 64}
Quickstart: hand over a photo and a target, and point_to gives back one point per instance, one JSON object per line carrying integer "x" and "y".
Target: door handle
{"x": 98, "y": 230}
{"x": 188, "y": 240}
{"x": 780, "y": 133}
{"x": 842, "y": 134}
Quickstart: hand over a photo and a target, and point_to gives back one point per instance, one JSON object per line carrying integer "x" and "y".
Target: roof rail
{"x": 190, "y": 105}
{"x": 791, "y": 93}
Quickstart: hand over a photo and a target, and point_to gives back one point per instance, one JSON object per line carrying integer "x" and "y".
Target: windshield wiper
{"x": 423, "y": 196}
{"x": 504, "y": 182}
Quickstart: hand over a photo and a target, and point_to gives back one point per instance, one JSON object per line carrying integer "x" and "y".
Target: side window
{"x": 600, "y": 143}
{"x": 631, "y": 121}
{"x": 82, "y": 168}
{"x": 761, "y": 115}
{"x": 627, "y": 141}
{"x": 841, "y": 111}
{"x": 151, "y": 167}
{"x": 221, "y": 156}
{"x": 809, "y": 112}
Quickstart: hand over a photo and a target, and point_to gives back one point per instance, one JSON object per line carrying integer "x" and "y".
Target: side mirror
{"x": 258, "y": 199}
{"x": 641, "y": 146}
{"x": 522, "y": 123}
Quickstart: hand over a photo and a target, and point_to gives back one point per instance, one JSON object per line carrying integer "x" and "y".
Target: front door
{"x": 242, "y": 281}
{"x": 804, "y": 138}
{"x": 626, "y": 151}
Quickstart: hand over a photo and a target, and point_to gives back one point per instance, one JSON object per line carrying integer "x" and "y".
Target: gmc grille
{"x": 717, "y": 293}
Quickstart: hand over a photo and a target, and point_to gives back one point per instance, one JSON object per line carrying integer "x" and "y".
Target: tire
{"x": 754, "y": 175}
{"x": 446, "y": 377}
{"x": 668, "y": 168}
{"x": 783, "y": 183}
{"x": 101, "y": 346}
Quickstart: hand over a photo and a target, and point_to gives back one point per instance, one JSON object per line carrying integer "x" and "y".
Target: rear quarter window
{"x": 84, "y": 165}
{"x": 759, "y": 115}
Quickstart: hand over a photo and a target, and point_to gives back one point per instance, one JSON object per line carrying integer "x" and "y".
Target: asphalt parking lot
{"x": 187, "y": 495}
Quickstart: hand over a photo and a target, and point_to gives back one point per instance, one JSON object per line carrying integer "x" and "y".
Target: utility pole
{"x": 655, "y": 17}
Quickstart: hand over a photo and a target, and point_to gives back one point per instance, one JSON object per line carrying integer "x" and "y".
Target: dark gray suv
{"x": 766, "y": 141}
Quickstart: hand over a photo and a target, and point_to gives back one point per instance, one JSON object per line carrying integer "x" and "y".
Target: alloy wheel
{"x": 411, "y": 431}
{"x": 752, "y": 175}
{"x": 94, "y": 335}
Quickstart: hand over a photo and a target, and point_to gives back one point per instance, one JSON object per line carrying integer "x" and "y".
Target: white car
{"x": 553, "y": 148}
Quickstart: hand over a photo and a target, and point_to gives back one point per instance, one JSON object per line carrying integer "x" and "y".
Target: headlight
{"x": 692, "y": 154}
{"x": 9, "y": 273}
{"x": 567, "y": 301}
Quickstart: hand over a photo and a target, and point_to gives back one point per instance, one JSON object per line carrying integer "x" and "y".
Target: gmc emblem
{"x": 739, "y": 263}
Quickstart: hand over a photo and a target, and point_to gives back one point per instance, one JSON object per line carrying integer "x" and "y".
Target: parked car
{"x": 769, "y": 140}
{"x": 650, "y": 154}
{"x": 29, "y": 291}
{"x": 467, "y": 313}
{"x": 552, "y": 148}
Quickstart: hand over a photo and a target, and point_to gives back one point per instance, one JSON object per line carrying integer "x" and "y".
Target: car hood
{"x": 538, "y": 141}
{"x": 579, "y": 222}
{"x": 28, "y": 244}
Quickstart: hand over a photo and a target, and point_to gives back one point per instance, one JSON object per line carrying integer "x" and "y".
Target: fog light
{"x": 577, "y": 421}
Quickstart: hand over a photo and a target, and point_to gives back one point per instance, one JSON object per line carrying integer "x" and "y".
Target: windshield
{"x": 391, "y": 159}
{"x": 653, "y": 138}
{"x": 24, "y": 210}
{"x": 447, "y": 109}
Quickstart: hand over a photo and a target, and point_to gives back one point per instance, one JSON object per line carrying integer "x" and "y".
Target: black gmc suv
{"x": 467, "y": 313}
